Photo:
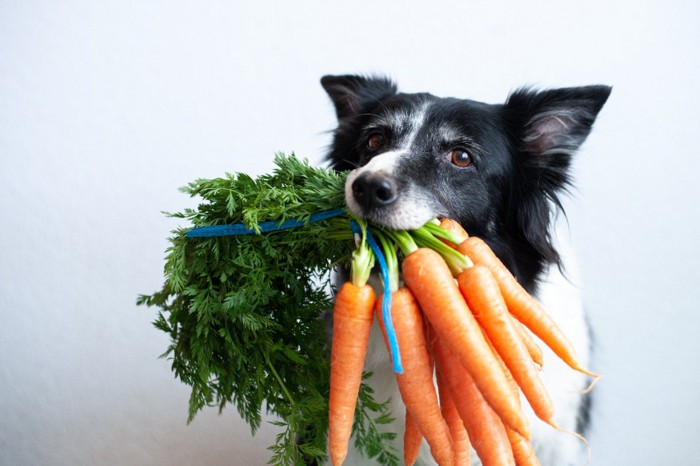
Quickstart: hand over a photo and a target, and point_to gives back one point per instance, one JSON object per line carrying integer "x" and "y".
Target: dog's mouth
{"x": 381, "y": 199}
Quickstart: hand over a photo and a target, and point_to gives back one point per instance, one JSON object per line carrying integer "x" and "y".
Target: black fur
{"x": 521, "y": 153}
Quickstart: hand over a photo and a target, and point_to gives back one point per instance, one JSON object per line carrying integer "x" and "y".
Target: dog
{"x": 498, "y": 169}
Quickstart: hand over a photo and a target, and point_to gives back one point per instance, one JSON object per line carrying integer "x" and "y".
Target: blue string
{"x": 386, "y": 301}
{"x": 241, "y": 229}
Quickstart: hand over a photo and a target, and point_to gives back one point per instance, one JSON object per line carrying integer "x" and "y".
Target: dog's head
{"x": 495, "y": 168}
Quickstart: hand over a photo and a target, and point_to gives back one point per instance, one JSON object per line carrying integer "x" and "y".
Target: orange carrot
{"x": 523, "y": 306}
{"x": 486, "y": 431}
{"x": 460, "y": 438}
{"x": 416, "y": 383}
{"x": 412, "y": 440}
{"x": 454, "y": 227}
{"x": 430, "y": 279}
{"x": 523, "y": 452}
{"x": 352, "y": 321}
{"x": 483, "y": 296}
{"x": 532, "y": 347}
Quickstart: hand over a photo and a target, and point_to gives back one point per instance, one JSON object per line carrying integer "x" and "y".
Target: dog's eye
{"x": 460, "y": 158}
{"x": 376, "y": 141}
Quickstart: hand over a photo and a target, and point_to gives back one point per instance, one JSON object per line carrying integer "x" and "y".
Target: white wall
{"x": 106, "y": 108}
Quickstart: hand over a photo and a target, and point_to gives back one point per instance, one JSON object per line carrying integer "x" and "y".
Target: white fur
{"x": 416, "y": 121}
{"x": 561, "y": 296}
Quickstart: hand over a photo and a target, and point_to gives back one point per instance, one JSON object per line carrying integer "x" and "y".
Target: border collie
{"x": 499, "y": 171}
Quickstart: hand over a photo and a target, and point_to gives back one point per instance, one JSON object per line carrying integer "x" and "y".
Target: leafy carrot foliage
{"x": 244, "y": 313}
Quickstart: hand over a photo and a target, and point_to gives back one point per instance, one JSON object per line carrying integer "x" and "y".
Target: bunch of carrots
{"x": 460, "y": 319}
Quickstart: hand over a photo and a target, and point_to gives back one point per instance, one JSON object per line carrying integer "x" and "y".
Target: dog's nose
{"x": 371, "y": 190}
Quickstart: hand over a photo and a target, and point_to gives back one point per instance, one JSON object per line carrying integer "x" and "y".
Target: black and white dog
{"x": 499, "y": 171}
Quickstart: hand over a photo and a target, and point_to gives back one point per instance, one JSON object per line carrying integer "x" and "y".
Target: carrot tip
{"x": 337, "y": 459}
{"x": 576, "y": 365}
{"x": 588, "y": 373}
{"x": 596, "y": 378}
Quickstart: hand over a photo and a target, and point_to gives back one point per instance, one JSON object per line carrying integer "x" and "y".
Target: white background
{"x": 106, "y": 108}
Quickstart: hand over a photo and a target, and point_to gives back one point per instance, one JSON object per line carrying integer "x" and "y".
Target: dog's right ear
{"x": 352, "y": 94}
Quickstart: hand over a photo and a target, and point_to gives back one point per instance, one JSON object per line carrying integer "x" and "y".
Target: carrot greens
{"x": 244, "y": 313}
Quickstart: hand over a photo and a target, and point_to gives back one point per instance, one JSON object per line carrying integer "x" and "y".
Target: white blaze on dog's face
{"x": 377, "y": 191}
{"x": 371, "y": 192}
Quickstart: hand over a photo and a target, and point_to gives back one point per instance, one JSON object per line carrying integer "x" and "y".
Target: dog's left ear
{"x": 353, "y": 94}
{"x": 554, "y": 122}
